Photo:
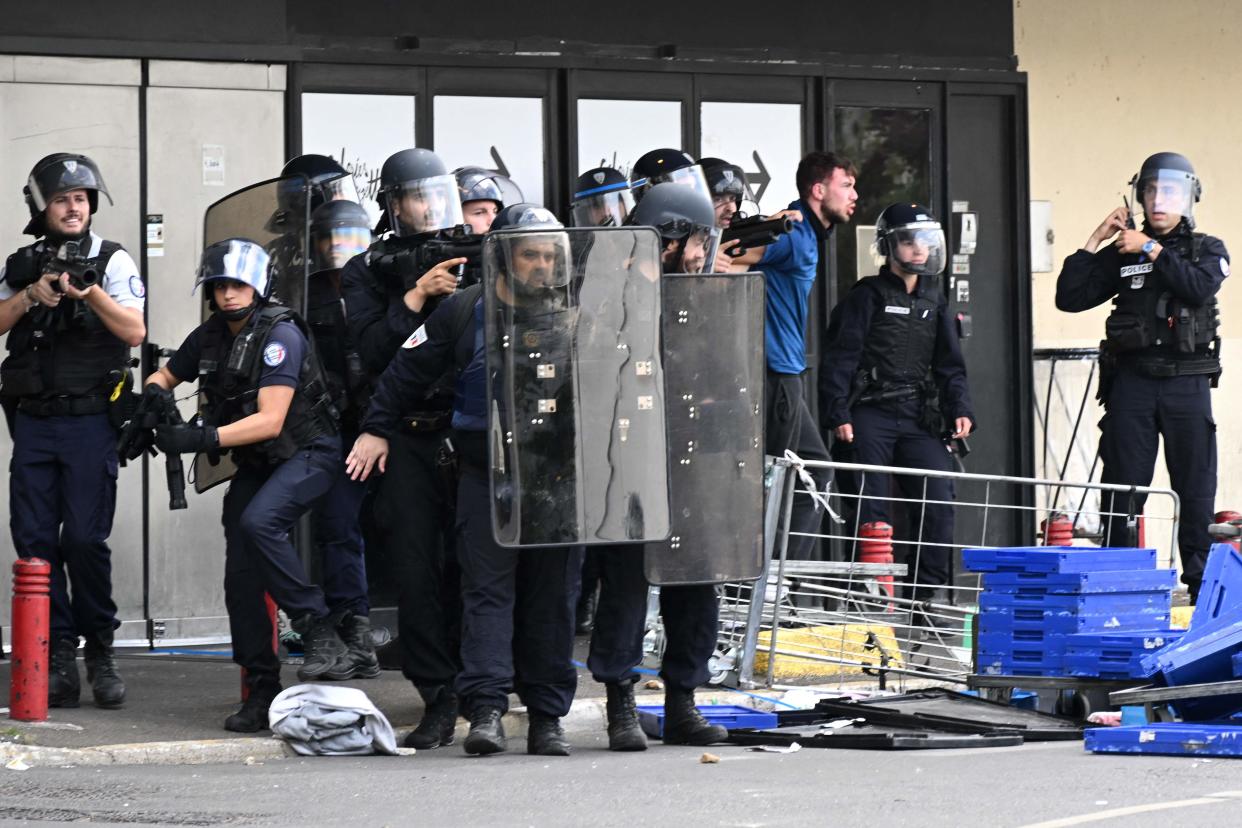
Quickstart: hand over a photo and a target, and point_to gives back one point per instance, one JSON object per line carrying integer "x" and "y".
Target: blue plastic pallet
{"x": 1001, "y": 664}
{"x": 1030, "y": 623}
{"x": 1039, "y": 583}
{"x": 1106, "y": 668}
{"x": 1139, "y": 641}
{"x": 1090, "y": 604}
{"x": 1167, "y": 738}
{"x": 1237, "y": 665}
{"x": 1060, "y": 559}
{"x": 1221, "y": 591}
{"x": 997, "y": 642}
{"x": 729, "y": 716}
{"x": 1201, "y": 660}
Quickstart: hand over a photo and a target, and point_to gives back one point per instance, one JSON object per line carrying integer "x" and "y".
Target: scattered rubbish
{"x": 17, "y": 764}
{"x": 654, "y": 684}
{"x": 250, "y": 760}
{"x": 709, "y": 759}
{"x": 1105, "y": 718}
{"x": 792, "y": 747}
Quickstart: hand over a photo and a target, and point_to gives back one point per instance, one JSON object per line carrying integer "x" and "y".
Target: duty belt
{"x": 1160, "y": 368}
{"x": 428, "y": 422}
{"x": 62, "y": 406}
{"x": 899, "y": 393}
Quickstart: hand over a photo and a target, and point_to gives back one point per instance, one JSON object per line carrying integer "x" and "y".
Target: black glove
{"x": 184, "y": 438}
{"x": 156, "y": 395}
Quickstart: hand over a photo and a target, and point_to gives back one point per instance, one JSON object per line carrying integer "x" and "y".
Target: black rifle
{"x": 68, "y": 258}
{"x": 138, "y": 437}
{"x": 409, "y": 264}
{"x": 756, "y": 231}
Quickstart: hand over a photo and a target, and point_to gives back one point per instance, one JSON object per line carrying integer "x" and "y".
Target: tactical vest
{"x": 902, "y": 338}
{"x": 1155, "y": 331}
{"x": 65, "y": 351}
{"x": 229, "y": 370}
{"x": 346, "y": 380}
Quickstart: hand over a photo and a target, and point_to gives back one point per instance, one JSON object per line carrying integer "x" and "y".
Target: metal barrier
{"x": 837, "y": 619}
{"x": 1068, "y": 437}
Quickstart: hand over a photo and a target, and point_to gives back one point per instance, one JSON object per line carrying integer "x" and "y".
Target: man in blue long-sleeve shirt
{"x": 894, "y": 351}
{"x": 1161, "y": 352}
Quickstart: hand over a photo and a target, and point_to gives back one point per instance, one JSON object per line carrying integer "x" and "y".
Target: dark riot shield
{"x": 713, "y": 377}
{"x": 576, "y": 388}
{"x": 274, "y": 214}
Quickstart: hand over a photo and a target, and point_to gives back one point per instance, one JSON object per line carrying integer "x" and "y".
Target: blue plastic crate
{"x": 1017, "y": 664}
{"x": 1040, "y": 583}
{"x": 1029, "y": 623}
{"x": 1221, "y": 591}
{"x": 1105, "y": 668}
{"x": 1237, "y": 665}
{"x": 1136, "y": 641}
{"x": 729, "y": 716}
{"x": 1201, "y": 660}
{"x": 1167, "y": 738}
{"x": 996, "y": 642}
{"x": 1061, "y": 559}
{"x": 1107, "y": 603}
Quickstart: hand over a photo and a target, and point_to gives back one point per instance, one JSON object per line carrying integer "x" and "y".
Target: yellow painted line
{"x": 1114, "y": 813}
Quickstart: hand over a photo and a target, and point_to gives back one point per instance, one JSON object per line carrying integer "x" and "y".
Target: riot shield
{"x": 714, "y": 375}
{"x": 575, "y": 393}
{"x": 274, "y": 214}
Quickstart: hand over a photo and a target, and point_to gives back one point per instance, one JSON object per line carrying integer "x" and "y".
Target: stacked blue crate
{"x": 1038, "y": 601}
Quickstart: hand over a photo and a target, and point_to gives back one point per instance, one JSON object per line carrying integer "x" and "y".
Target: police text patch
{"x": 1133, "y": 270}
{"x": 274, "y": 354}
{"x": 897, "y": 309}
{"x": 417, "y": 338}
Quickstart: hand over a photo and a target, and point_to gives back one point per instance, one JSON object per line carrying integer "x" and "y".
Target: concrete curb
{"x": 585, "y": 716}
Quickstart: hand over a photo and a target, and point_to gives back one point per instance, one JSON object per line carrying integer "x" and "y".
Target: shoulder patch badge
{"x": 139, "y": 290}
{"x": 274, "y": 354}
{"x": 417, "y": 338}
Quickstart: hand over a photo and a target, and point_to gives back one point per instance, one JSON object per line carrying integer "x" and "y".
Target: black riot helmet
{"x": 329, "y": 180}
{"x": 238, "y": 260}
{"x": 662, "y": 165}
{"x": 528, "y": 244}
{"x": 339, "y": 230}
{"x": 1167, "y": 183}
{"x": 59, "y": 173}
{"x": 725, "y": 179}
{"x": 601, "y": 198}
{"x": 909, "y": 235}
{"x": 685, "y": 215}
{"x": 418, "y": 194}
{"x": 482, "y": 184}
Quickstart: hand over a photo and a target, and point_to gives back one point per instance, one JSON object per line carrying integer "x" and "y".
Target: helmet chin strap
{"x": 239, "y": 314}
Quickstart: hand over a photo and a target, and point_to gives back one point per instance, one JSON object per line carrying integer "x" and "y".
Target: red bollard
{"x": 271, "y": 614}
{"x": 876, "y": 546}
{"x": 31, "y": 616}
{"x": 1058, "y": 530}
{"x": 1228, "y": 516}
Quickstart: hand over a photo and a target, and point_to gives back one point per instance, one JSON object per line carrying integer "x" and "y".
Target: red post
{"x": 271, "y": 614}
{"x": 876, "y": 546}
{"x": 31, "y": 616}
{"x": 1058, "y": 530}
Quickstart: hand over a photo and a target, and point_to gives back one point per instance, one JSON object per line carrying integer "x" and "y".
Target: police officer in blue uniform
{"x": 72, "y": 305}
{"x": 601, "y": 198}
{"x": 268, "y": 405}
{"x": 385, "y": 300}
{"x": 685, "y": 221}
{"x": 893, "y": 381}
{"x": 518, "y": 604}
{"x": 483, "y": 194}
{"x": 1160, "y": 357}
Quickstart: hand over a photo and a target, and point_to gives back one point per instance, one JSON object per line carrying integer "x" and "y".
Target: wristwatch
{"x": 1148, "y": 246}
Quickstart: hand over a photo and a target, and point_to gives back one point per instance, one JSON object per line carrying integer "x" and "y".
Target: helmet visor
{"x": 240, "y": 260}
{"x": 1166, "y": 194}
{"x": 918, "y": 248}
{"x": 691, "y": 176}
{"x": 536, "y": 264}
{"x": 424, "y": 205}
{"x": 61, "y": 177}
{"x": 341, "y": 188}
{"x": 698, "y": 249}
{"x": 602, "y": 209}
{"x": 332, "y": 247}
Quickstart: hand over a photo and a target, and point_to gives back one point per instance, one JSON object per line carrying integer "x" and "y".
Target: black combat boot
{"x": 64, "y": 688}
{"x": 252, "y": 716}
{"x": 624, "y": 732}
{"x": 106, "y": 684}
{"x": 684, "y": 724}
{"x": 322, "y": 647}
{"x": 359, "y": 660}
{"x": 487, "y": 733}
{"x": 439, "y": 719}
{"x": 545, "y": 736}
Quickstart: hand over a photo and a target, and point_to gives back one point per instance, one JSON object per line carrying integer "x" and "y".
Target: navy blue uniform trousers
{"x": 62, "y": 495}
{"x": 1139, "y": 412}
{"x": 260, "y": 508}
{"x": 890, "y": 435}
{"x": 518, "y": 613}
{"x": 689, "y": 613}
{"x": 338, "y": 534}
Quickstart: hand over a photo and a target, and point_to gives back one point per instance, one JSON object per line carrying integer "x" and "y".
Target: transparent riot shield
{"x": 713, "y": 377}
{"x": 576, "y": 389}
{"x": 275, "y": 214}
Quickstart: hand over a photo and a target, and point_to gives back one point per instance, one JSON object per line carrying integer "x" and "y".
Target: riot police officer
{"x": 388, "y": 293}
{"x": 666, "y": 166}
{"x": 601, "y": 198}
{"x": 483, "y": 194}
{"x": 1161, "y": 352}
{"x": 267, "y": 404}
{"x": 893, "y": 380}
{"x": 72, "y": 305}
{"x": 517, "y": 628}
{"x": 728, "y": 187}
{"x": 685, "y": 221}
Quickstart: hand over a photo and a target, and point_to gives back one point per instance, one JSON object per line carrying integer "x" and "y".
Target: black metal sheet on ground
{"x": 871, "y": 737}
{"x": 947, "y": 710}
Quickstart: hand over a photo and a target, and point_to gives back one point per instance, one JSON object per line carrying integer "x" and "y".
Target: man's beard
{"x": 829, "y": 217}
